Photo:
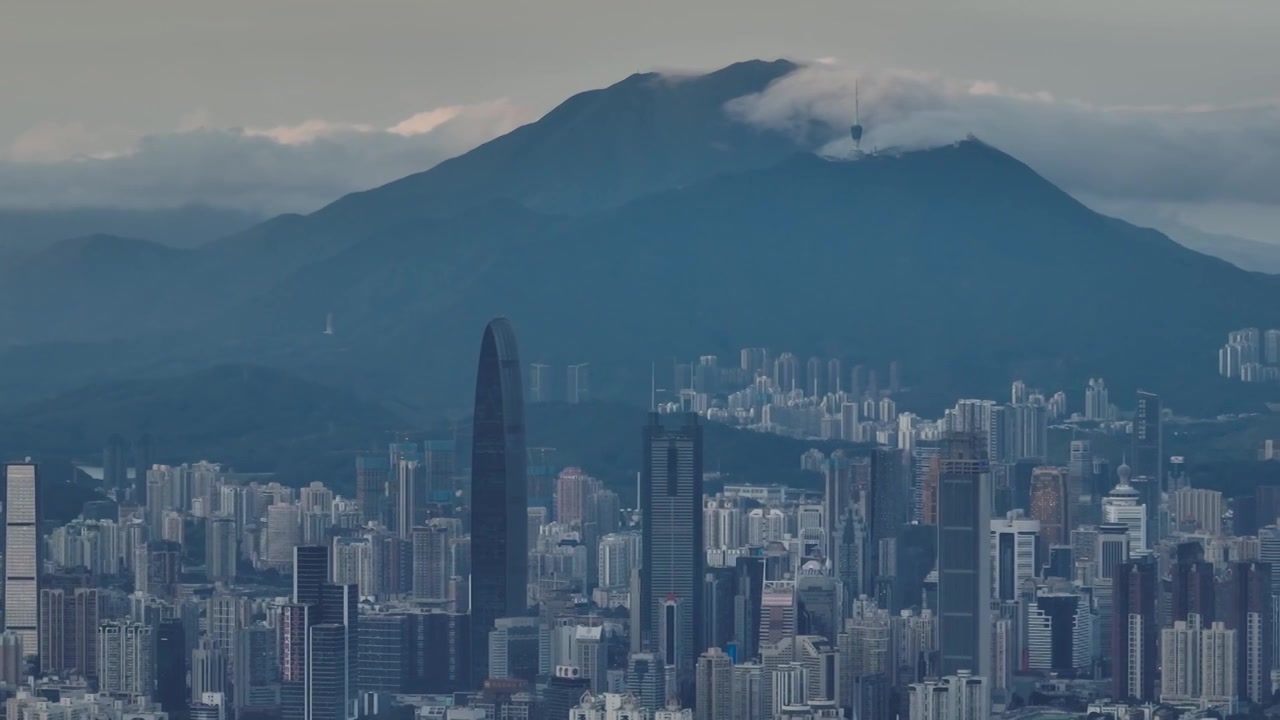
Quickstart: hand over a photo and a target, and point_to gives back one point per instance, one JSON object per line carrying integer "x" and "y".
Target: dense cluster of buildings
{"x": 943, "y": 570}
{"x": 1251, "y": 355}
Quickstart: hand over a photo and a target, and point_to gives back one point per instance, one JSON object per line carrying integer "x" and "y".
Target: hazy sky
{"x": 96, "y": 78}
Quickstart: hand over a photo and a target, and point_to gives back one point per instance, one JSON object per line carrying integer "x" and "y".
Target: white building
{"x": 608, "y": 706}
{"x": 956, "y": 697}
{"x": 1123, "y": 506}
{"x": 1014, "y": 540}
{"x": 1199, "y": 508}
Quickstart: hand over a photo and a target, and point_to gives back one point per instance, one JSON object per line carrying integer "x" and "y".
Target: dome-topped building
{"x": 1123, "y": 505}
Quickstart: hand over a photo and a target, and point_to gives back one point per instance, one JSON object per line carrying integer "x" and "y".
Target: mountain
{"x": 24, "y": 230}
{"x": 960, "y": 261}
{"x": 598, "y": 149}
{"x": 253, "y": 418}
{"x": 1241, "y": 252}
{"x": 114, "y": 275}
{"x": 618, "y": 230}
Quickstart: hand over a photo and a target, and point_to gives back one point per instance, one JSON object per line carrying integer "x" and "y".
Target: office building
{"x": 714, "y": 686}
{"x": 514, "y": 649}
{"x": 565, "y": 691}
{"x": 646, "y": 680}
{"x": 1148, "y": 438}
{"x": 1123, "y": 506}
{"x": 1059, "y": 634}
{"x": 410, "y": 496}
{"x": 1050, "y": 506}
{"x": 372, "y": 474}
{"x": 1015, "y": 554}
{"x": 964, "y": 556}
{"x": 22, "y": 555}
{"x": 673, "y": 559}
{"x": 115, "y": 466}
{"x": 208, "y": 670}
{"x": 256, "y": 668}
{"x": 284, "y": 533}
{"x": 499, "y": 532}
{"x": 222, "y": 550}
{"x": 170, "y": 665}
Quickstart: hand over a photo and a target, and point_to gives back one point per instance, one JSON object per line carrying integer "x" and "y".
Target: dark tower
{"x": 115, "y": 464}
{"x": 499, "y": 514}
{"x": 310, "y": 573}
{"x": 1194, "y": 590}
{"x": 171, "y": 668}
{"x": 672, "y": 565}
{"x": 1250, "y": 616}
{"x": 1133, "y": 632}
{"x": 964, "y": 556}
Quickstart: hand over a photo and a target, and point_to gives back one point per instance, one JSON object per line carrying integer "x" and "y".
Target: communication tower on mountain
{"x": 855, "y": 131}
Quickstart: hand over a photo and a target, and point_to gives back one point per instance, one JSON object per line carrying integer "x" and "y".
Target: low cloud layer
{"x": 1175, "y": 155}
{"x": 293, "y": 168}
{"x": 1167, "y": 156}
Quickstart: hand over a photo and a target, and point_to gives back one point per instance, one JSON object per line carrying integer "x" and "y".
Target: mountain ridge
{"x": 959, "y": 260}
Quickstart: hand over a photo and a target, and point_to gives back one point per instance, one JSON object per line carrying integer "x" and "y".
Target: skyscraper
{"x": 1134, "y": 632}
{"x": 578, "y": 383}
{"x": 671, "y": 573}
{"x": 540, "y": 383}
{"x": 125, "y": 662}
{"x": 1250, "y": 616}
{"x": 1014, "y": 549}
{"x": 714, "y": 686}
{"x": 1148, "y": 438}
{"x": 115, "y": 465}
{"x": 222, "y": 550}
{"x": 499, "y": 516}
{"x": 171, "y": 663}
{"x": 22, "y": 550}
{"x": 372, "y": 474}
{"x": 1194, "y": 590}
{"x": 964, "y": 556}
{"x": 1049, "y": 505}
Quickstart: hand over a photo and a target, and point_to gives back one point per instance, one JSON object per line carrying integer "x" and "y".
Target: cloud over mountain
{"x": 1165, "y": 154}
{"x": 287, "y": 168}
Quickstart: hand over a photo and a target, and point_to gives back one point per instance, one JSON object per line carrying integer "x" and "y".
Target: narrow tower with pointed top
{"x": 499, "y": 516}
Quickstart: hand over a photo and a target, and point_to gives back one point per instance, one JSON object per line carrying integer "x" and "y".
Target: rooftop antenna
{"x": 856, "y": 130}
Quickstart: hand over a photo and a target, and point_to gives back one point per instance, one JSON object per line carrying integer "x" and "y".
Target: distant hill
{"x": 252, "y": 418}
{"x": 261, "y": 420}
{"x": 638, "y": 223}
{"x": 25, "y": 229}
{"x": 119, "y": 270}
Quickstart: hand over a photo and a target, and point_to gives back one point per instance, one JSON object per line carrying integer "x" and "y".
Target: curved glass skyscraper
{"x": 499, "y": 516}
